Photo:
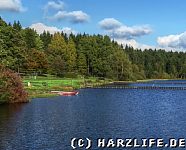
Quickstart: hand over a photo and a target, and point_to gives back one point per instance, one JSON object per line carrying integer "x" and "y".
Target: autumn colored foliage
{"x": 25, "y": 51}
{"x": 11, "y": 88}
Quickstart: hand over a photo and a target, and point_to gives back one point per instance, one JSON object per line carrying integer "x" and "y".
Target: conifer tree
{"x": 71, "y": 56}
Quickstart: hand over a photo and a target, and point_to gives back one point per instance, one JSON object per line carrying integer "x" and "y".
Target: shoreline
{"x": 47, "y": 92}
{"x": 146, "y": 80}
{"x": 42, "y": 87}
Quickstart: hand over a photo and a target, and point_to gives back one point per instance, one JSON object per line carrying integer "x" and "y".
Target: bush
{"x": 71, "y": 75}
{"x": 11, "y": 87}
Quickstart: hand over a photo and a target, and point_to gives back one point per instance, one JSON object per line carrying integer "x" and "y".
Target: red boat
{"x": 64, "y": 93}
{"x": 72, "y": 93}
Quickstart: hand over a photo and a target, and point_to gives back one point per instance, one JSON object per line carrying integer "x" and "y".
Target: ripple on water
{"x": 50, "y": 123}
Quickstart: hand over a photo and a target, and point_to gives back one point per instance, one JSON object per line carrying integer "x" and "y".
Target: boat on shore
{"x": 66, "y": 93}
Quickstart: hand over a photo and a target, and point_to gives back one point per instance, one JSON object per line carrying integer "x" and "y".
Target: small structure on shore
{"x": 29, "y": 84}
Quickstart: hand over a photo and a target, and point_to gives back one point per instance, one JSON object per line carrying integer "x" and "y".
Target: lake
{"x": 51, "y": 123}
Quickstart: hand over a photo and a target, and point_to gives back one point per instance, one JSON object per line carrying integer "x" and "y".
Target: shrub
{"x": 11, "y": 87}
{"x": 71, "y": 75}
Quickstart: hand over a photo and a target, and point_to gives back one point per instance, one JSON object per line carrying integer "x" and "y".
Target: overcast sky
{"x": 140, "y": 23}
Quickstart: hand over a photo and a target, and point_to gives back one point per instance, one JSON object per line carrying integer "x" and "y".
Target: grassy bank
{"x": 42, "y": 86}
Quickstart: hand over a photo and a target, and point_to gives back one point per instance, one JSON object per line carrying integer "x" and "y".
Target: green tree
{"x": 29, "y": 37}
{"x": 17, "y": 26}
{"x": 183, "y": 71}
{"x": 46, "y": 39}
{"x": 36, "y": 60}
{"x": 82, "y": 64}
{"x": 71, "y": 56}
{"x": 39, "y": 43}
{"x": 12, "y": 47}
{"x": 56, "y": 51}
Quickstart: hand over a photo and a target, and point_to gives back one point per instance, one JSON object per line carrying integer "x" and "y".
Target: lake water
{"x": 51, "y": 123}
{"x": 160, "y": 83}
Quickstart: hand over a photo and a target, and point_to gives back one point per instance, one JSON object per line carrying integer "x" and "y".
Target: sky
{"x": 139, "y": 23}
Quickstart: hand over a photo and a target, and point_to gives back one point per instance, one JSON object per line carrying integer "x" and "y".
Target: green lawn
{"x": 42, "y": 86}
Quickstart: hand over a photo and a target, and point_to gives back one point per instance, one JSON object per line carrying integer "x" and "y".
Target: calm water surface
{"x": 160, "y": 83}
{"x": 51, "y": 123}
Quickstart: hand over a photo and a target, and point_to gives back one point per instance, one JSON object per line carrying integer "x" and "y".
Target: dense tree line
{"x": 24, "y": 50}
{"x": 159, "y": 63}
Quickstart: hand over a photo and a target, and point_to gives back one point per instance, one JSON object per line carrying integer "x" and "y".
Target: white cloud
{"x": 57, "y": 12}
{"x": 54, "y": 5}
{"x": 68, "y": 30}
{"x": 110, "y": 24}
{"x": 130, "y": 32}
{"x": 11, "y": 5}
{"x": 125, "y": 34}
{"x": 177, "y": 41}
{"x": 40, "y": 28}
{"x": 168, "y": 41}
{"x": 74, "y": 16}
{"x": 183, "y": 40}
{"x": 118, "y": 30}
{"x": 134, "y": 44}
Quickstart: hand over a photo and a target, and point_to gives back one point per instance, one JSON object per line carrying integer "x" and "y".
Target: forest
{"x": 24, "y": 51}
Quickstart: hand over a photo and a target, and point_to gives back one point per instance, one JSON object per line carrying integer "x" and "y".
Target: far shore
{"x": 145, "y": 80}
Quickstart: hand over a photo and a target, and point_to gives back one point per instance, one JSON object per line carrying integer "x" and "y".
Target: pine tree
{"x": 82, "y": 64}
{"x": 71, "y": 56}
{"x": 17, "y": 25}
{"x": 39, "y": 43}
{"x": 56, "y": 53}
{"x": 30, "y": 38}
{"x": 46, "y": 39}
